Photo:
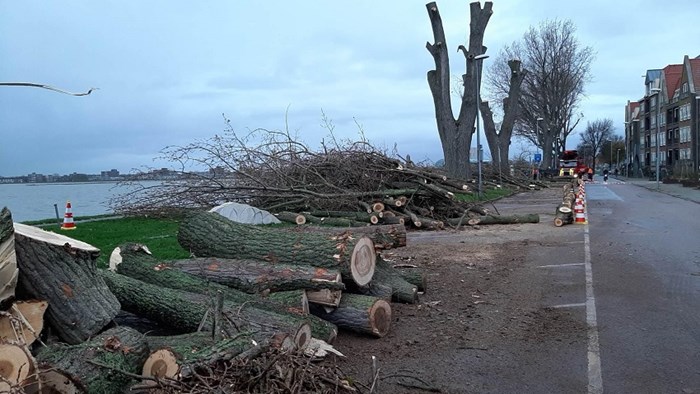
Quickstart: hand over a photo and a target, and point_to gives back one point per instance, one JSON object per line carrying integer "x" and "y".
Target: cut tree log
{"x": 186, "y": 311}
{"x": 63, "y": 271}
{"x": 401, "y": 290}
{"x": 291, "y": 217}
{"x": 333, "y": 221}
{"x": 23, "y": 322}
{"x": 563, "y": 215}
{"x": 211, "y": 235}
{"x": 174, "y": 356}
{"x": 497, "y": 219}
{"x": 359, "y": 313}
{"x": 385, "y": 236}
{"x": 255, "y": 276}
{"x": 414, "y": 276}
{"x": 98, "y": 365}
{"x": 16, "y": 365}
{"x": 136, "y": 261}
{"x": 372, "y": 218}
{"x": 326, "y": 297}
{"x": 8, "y": 259}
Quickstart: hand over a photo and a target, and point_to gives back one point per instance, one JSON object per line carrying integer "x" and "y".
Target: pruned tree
{"x": 456, "y": 134}
{"x": 597, "y": 134}
{"x": 559, "y": 67}
{"x": 499, "y": 141}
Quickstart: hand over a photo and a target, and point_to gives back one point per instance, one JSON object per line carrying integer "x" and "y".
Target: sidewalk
{"x": 672, "y": 189}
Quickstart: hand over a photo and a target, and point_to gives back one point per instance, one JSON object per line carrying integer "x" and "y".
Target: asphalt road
{"x": 645, "y": 260}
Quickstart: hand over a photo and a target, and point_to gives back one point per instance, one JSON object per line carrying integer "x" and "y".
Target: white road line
{"x": 580, "y": 304}
{"x": 595, "y": 377}
{"x": 560, "y": 265}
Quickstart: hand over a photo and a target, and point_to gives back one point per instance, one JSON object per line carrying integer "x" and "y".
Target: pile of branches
{"x": 272, "y": 371}
{"x": 274, "y": 171}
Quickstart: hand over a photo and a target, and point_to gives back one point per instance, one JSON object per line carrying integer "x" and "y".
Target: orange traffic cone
{"x": 68, "y": 219}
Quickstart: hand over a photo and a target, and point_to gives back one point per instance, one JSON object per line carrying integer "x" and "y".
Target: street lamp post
{"x": 477, "y": 59}
{"x": 658, "y": 154}
{"x": 617, "y": 159}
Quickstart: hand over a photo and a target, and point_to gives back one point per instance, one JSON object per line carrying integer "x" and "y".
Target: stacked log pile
{"x": 249, "y": 291}
{"x": 564, "y": 213}
{"x": 348, "y": 185}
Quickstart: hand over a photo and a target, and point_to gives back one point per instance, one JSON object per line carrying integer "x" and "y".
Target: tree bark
{"x": 385, "y": 236}
{"x": 388, "y": 279}
{"x": 120, "y": 348}
{"x": 456, "y": 135}
{"x": 211, "y": 235}
{"x": 135, "y": 261}
{"x": 507, "y": 219}
{"x": 252, "y": 276}
{"x": 185, "y": 311}
{"x": 360, "y": 313}
{"x": 63, "y": 271}
{"x": 499, "y": 142}
{"x": 8, "y": 259}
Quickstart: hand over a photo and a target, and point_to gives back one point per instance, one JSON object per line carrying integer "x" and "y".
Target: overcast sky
{"x": 168, "y": 70}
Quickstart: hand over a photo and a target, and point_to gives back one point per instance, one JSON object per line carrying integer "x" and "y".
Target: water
{"x": 35, "y": 201}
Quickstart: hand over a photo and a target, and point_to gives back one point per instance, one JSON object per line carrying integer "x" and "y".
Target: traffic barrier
{"x": 68, "y": 223}
{"x": 579, "y": 212}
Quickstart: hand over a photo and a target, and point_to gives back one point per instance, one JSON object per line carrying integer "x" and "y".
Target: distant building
{"x": 667, "y": 115}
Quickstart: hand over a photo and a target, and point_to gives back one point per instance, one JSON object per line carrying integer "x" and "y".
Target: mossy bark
{"x": 120, "y": 349}
{"x": 63, "y": 271}
{"x": 360, "y": 313}
{"x": 208, "y": 234}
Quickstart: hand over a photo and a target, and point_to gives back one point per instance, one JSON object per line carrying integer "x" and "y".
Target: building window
{"x": 662, "y": 138}
{"x": 684, "y": 112}
{"x": 685, "y": 87}
{"x": 685, "y": 134}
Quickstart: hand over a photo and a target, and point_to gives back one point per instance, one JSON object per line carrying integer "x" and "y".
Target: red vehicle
{"x": 571, "y": 165}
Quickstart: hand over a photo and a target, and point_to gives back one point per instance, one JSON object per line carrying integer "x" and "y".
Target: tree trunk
{"x": 414, "y": 276}
{"x": 456, "y": 135}
{"x": 119, "y": 349}
{"x": 208, "y": 234}
{"x": 253, "y": 276}
{"x": 185, "y": 311}
{"x": 63, "y": 271}
{"x": 388, "y": 279}
{"x": 506, "y": 219}
{"x": 8, "y": 259}
{"x": 135, "y": 261}
{"x": 385, "y": 236}
{"x": 360, "y": 313}
{"x": 499, "y": 142}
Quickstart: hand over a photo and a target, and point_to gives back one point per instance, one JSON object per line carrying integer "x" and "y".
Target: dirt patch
{"x": 481, "y": 299}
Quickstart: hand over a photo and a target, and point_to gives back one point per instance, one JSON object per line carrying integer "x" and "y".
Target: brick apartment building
{"x": 667, "y": 115}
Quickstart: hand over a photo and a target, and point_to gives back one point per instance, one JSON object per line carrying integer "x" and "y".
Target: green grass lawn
{"x": 160, "y": 235}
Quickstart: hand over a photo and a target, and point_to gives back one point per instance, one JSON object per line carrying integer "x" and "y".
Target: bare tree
{"x": 598, "y": 133}
{"x": 456, "y": 134}
{"x": 499, "y": 141}
{"x": 558, "y": 69}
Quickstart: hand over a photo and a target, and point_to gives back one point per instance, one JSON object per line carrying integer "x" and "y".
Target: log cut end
{"x": 52, "y": 238}
{"x": 15, "y": 365}
{"x": 363, "y": 261}
{"x": 302, "y": 337}
{"x": 380, "y": 317}
{"x": 160, "y": 364}
{"x": 29, "y": 316}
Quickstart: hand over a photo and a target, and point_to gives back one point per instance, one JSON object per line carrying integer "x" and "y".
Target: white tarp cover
{"x": 243, "y": 213}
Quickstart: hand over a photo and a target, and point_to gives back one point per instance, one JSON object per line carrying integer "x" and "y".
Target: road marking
{"x": 580, "y": 304}
{"x": 560, "y": 265}
{"x": 595, "y": 376}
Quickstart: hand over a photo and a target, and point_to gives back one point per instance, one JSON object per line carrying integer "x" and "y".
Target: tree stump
{"x": 63, "y": 271}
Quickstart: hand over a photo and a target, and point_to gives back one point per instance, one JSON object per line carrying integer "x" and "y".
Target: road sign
{"x": 538, "y": 157}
